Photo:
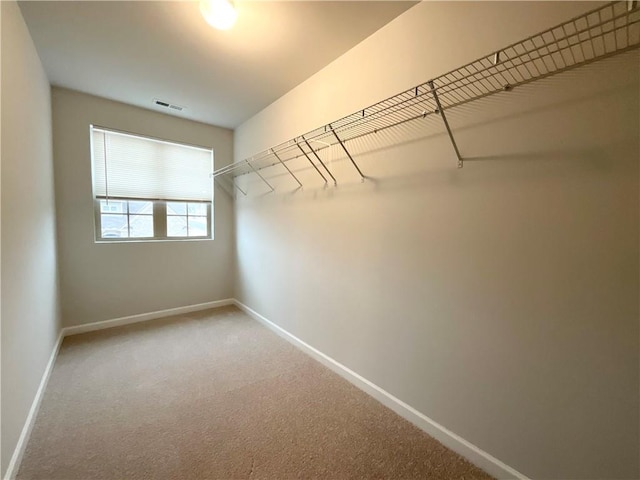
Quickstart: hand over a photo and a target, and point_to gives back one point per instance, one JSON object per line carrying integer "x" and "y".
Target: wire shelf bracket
{"x": 287, "y": 168}
{"x": 311, "y": 162}
{"x": 335, "y": 182}
{"x": 440, "y": 111}
{"x": 223, "y": 186}
{"x": 235, "y": 184}
{"x": 261, "y": 177}
{"x": 341, "y": 143}
{"x": 603, "y": 32}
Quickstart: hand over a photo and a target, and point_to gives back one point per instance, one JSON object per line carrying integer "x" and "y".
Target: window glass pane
{"x": 197, "y": 209}
{"x": 197, "y": 226}
{"x": 113, "y": 206}
{"x": 176, "y": 208}
{"x": 140, "y": 207}
{"x": 114, "y": 226}
{"x": 141, "y": 225}
{"x": 176, "y": 226}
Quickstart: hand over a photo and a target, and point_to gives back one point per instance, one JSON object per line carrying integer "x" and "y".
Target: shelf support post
{"x": 258, "y": 173}
{"x": 446, "y": 123}
{"x": 288, "y": 170}
{"x": 312, "y": 164}
{"x": 347, "y": 152}
{"x": 335, "y": 182}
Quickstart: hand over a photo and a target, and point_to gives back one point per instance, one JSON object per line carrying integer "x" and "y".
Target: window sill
{"x": 151, "y": 240}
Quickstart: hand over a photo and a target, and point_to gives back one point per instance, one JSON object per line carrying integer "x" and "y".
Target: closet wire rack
{"x": 597, "y": 34}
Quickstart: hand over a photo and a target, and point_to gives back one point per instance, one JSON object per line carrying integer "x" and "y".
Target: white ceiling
{"x": 136, "y": 51}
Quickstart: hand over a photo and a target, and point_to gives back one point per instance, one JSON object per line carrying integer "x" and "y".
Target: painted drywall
{"x": 500, "y": 300}
{"x": 105, "y": 281}
{"x": 30, "y": 310}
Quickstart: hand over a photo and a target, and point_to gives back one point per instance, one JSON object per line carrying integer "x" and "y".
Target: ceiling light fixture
{"x": 220, "y": 14}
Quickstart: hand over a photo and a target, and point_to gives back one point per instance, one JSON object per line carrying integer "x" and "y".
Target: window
{"x": 148, "y": 189}
{"x": 126, "y": 219}
{"x": 185, "y": 219}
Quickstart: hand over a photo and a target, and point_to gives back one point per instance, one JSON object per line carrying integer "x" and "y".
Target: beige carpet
{"x": 216, "y": 395}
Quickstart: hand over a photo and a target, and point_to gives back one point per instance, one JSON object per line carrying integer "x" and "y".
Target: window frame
{"x": 159, "y": 214}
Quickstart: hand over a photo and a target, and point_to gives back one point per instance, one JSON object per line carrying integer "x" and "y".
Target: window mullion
{"x": 128, "y": 221}
{"x": 160, "y": 219}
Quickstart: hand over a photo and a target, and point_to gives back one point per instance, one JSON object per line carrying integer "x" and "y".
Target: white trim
{"x": 482, "y": 459}
{"x": 475, "y": 455}
{"x": 16, "y": 458}
{"x": 143, "y": 317}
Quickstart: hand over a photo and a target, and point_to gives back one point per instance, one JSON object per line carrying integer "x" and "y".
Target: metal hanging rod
{"x": 597, "y": 34}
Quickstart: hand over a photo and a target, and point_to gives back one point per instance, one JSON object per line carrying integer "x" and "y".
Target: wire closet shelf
{"x": 597, "y": 34}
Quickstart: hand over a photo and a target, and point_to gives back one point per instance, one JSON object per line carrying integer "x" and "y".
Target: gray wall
{"x": 30, "y": 311}
{"x": 105, "y": 281}
{"x": 500, "y": 300}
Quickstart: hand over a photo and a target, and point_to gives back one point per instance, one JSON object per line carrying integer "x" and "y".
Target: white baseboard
{"x": 143, "y": 317}
{"x": 16, "y": 458}
{"x": 456, "y": 443}
{"x": 475, "y": 455}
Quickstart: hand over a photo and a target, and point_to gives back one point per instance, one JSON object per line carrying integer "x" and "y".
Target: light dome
{"x": 220, "y": 14}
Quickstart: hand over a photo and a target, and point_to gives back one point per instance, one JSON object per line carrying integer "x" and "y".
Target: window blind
{"x": 131, "y": 166}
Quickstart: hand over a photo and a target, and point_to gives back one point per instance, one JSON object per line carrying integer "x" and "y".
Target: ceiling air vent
{"x": 172, "y": 106}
